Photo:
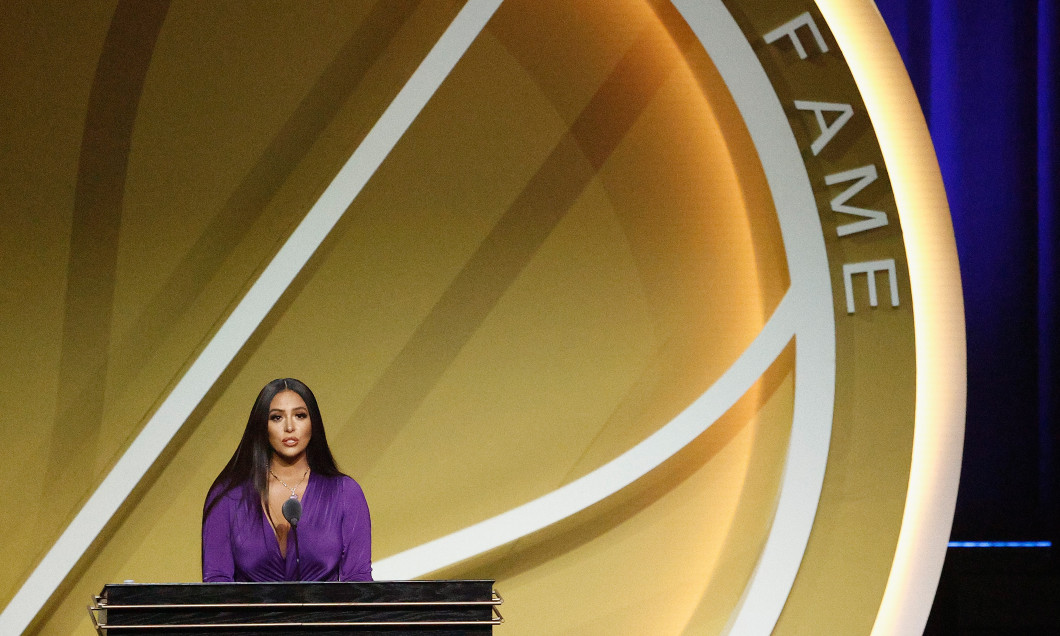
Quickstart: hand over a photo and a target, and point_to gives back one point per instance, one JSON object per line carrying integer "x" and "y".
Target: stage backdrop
{"x": 648, "y": 310}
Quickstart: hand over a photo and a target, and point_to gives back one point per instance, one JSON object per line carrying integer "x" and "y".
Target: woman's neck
{"x": 283, "y": 468}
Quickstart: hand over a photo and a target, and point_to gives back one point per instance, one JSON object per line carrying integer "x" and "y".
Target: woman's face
{"x": 289, "y": 426}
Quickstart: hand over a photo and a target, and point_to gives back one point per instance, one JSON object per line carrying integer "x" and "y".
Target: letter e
{"x": 870, "y": 268}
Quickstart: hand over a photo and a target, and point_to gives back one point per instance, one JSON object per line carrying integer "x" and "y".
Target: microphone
{"x": 292, "y": 511}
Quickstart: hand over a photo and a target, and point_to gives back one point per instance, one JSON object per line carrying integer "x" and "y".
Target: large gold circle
{"x": 572, "y": 243}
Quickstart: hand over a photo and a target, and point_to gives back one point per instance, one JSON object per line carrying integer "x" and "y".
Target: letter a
{"x": 827, "y": 131}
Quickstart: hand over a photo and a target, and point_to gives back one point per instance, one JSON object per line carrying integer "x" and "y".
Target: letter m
{"x": 864, "y": 176}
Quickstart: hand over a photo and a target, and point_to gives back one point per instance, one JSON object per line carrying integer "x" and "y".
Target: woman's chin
{"x": 289, "y": 455}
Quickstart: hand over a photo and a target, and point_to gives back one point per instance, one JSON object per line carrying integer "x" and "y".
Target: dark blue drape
{"x": 986, "y": 75}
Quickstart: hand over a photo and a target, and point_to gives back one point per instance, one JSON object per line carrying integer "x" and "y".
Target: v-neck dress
{"x": 334, "y": 536}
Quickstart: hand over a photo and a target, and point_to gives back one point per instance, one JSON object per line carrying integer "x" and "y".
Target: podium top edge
{"x": 301, "y": 583}
{"x": 294, "y": 592}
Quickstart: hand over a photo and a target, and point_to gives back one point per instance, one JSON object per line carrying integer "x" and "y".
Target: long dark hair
{"x": 248, "y": 469}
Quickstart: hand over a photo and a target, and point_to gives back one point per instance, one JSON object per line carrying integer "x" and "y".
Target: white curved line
{"x": 938, "y": 316}
{"x": 811, "y": 291}
{"x": 245, "y": 318}
{"x": 611, "y": 477}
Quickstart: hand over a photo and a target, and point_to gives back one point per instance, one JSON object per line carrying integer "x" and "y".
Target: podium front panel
{"x": 380, "y": 607}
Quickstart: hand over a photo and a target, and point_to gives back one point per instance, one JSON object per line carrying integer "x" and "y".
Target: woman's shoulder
{"x": 342, "y": 486}
{"x": 229, "y": 489}
{"x": 225, "y": 494}
{"x": 340, "y": 481}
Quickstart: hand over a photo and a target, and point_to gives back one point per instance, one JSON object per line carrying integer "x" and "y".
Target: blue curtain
{"x": 986, "y": 75}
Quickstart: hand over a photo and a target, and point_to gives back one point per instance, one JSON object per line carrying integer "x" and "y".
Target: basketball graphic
{"x": 622, "y": 304}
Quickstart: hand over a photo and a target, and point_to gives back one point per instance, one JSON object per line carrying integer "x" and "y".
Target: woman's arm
{"x": 356, "y": 561}
{"x": 218, "y": 563}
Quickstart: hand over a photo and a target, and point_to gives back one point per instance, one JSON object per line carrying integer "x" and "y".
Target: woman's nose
{"x": 288, "y": 426}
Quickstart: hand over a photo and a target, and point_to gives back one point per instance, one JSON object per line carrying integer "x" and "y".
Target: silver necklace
{"x": 293, "y": 495}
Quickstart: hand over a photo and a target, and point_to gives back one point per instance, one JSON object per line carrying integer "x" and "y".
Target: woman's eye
{"x": 274, "y": 418}
{"x": 302, "y": 416}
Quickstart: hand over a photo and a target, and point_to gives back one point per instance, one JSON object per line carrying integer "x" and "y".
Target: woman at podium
{"x": 281, "y": 510}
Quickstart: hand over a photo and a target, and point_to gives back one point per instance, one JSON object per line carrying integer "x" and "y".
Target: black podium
{"x": 434, "y": 608}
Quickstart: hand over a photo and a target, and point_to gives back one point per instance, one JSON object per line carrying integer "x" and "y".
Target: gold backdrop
{"x": 571, "y": 243}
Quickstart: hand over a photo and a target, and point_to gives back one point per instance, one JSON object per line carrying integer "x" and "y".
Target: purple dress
{"x": 334, "y": 537}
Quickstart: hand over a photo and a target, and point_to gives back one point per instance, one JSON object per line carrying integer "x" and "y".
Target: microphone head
{"x": 292, "y": 511}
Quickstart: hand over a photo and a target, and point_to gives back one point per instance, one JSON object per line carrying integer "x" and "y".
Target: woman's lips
{"x": 290, "y": 441}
